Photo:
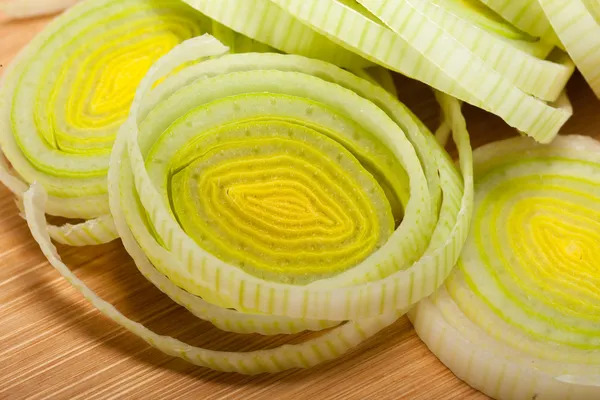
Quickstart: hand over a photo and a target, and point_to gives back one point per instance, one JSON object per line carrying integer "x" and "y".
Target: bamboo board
{"x": 53, "y": 344}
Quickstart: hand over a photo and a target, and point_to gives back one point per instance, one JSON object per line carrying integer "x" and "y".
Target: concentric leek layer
{"x": 66, "y": 95}
{"x": 403, "y": 36}
{"x": 279, "y": 198}
{"x": 520, "y": 316}
{"x": 577, "y": 24}
{"x": 275, "y": 193}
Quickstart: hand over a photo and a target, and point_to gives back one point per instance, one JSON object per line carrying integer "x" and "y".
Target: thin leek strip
{"x": 480, "y": 15}
{"x": 515, "y": 55}
{"x": 328, "y": 346}
{"x": 526, "y": 15}
{"x": 265, "y": 22}
{"x": 442, "y": 134}
{"x": 64, "y": 97}
{"x": 291, "y": 109}
{"x": 379, "y": 76}
{"x": 577, "y": 24}
{"x": 422, "y": 50}
{"x": 33, "y": 8}
{"x": 519, "y": 317}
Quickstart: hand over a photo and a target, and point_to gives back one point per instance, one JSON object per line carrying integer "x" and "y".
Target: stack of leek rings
{"x": 519, "y": 316}
{"x": 276, "y": 193}
{"x": 263, "y": 191}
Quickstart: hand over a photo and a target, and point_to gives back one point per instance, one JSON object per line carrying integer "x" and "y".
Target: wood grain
{"x": 53, "y": 344}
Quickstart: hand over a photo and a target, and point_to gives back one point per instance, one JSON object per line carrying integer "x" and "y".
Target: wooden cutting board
{"x": 53, "y": 344}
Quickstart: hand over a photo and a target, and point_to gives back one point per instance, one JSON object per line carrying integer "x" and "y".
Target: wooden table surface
{"x": 53, "y": 344}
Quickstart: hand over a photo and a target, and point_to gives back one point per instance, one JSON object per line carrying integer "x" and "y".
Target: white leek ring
{"x": 577, "y": 24}
{"x": 421, "y": 49}
{"x": 186, "y": 133}
{"x": 519, "y": 317}
{"x": 64, "y": 97}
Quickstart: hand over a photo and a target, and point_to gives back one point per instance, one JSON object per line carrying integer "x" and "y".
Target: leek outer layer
{"x": 526, "y": 15}
{"x": 572, "y": 25}
{"x": 264, "y": 117}
{"x": 516, "y": 55}
{"x": 577, "y": 24}
{"x": 267, "y": 23}
{"x": 421, "y": 49}
{"x": 518, "y": 318}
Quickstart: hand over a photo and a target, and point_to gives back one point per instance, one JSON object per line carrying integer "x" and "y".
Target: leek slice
{"x": 271, "y": 119}
{"x": 420, "y": 49}
{"x": 379, "y": 76}
{"x": 519, "y": 317}
{"x": 577, "y": 24}
{"x": 265, "y": 22}
{"x": 526, "y": 15}
{"x": 33, "y": 8}
{"x": 515, "y": 55}
{"x": 64, "y": 97}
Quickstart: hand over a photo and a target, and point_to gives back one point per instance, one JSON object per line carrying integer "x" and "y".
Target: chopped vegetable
{"x": 577, "y": 24}
{"x": 420, "y": 48}
{"x": 64, "y": 98}
{"x": 265, "y": 196}
{"x": 518, "y": 318}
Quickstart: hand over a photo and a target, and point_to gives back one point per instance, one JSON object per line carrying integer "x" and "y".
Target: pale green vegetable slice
{"x": 270, "y": 119}
{"x": 577, "y": 23}
{"x": 265, "y": 22}
{"x": 328, "y": 346}
{"x": 64, "y": 97}
{"x": 235, "y": 79}
{"x": 519, "y": 318}
{"x": 527, "y": 15}
{"x": 379, "y": 76}
{"x": 516, "y": 55}
{"x": 31, "y": 8}
{"x": 94, "y": 231}
{"x": 422, "y": 50}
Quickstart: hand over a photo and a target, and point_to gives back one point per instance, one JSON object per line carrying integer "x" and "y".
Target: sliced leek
{"x": 265, "y": 22}
{"x": 514, "y": 54}
{"x": 379, "y": 76}
{"x": 419, "y": 48}
{"x": 369, "y": 212}
{"x": 527, "y": 15}
{"x": 64, "y": 97}
{"x": 577, "y": 23}
{"x": 519, "y": 317}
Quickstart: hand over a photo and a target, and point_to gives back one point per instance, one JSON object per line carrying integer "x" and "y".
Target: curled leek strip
{"x": 379, "y": 76}
{"x": 64, "y": 97}
{"x": 526, "y": 15}
{"x": 519, "y": 317}
{"x": 265, "y": 22}
{"x": 577, "y": 24}
{"x": 369, "y": 212}
{"x": 514, "y": 54}
{"x": 32, "y": 8}
{"x": 422, "y": 50}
